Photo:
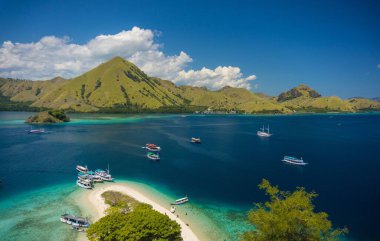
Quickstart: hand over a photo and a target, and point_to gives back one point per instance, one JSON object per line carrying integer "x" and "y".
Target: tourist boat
{"x": 293, "y": 160}
{"x": 262, "y": 132}
{"x": 104, "y": 175}
{"x": 94, "y": 177}
{"x": 153, "y": 156}
{"x": 83, "y": 176}
{"x": 36, "y": 131}
{"x": 195, "y": 140}
{"x": 152, "y": 147}
{"x": 172, "y": 209}
{"x": 75, "y": 221}
{"x": 181, "y": 201}
{"x": 82, "y": 169}
{"x": 84, "y": 184}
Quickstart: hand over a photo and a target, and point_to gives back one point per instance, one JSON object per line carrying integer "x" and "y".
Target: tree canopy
{"x": 142, "y": 223}
{"x": 289, "y": 216}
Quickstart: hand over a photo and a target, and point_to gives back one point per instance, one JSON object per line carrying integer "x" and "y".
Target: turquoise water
{"x": 220, "y": 175}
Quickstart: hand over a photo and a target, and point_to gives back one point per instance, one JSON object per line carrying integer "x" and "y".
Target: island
{"x": 50, "y": 116}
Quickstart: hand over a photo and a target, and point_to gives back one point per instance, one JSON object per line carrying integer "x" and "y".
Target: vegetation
{"x": 120, "y": 86}
{"x": 50, "y": 116}
{"x": 289, "y": 216}
{"x": 128, "y": 219}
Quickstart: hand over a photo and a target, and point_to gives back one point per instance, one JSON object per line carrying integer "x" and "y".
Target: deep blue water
{"x": 342, "y": 152}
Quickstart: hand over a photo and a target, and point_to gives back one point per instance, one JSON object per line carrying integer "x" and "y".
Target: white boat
{"x": 83, "y": 169}
{"x": 94, "y": 177}
{"x": 84, "y": 184}
{"x": 152, "y": 147}
{"x": 195, "y": 140}
{"x": 75, "y": 221}
{"x": 36, "y": 131}
{"x": 181, "y": 201}
{"x": 263, "y": 133}
{"x": 294, "y": 160}
{"x": 172, "y": 209}
{"x": 153, "y": 156}
{"x": 104, "y": 175}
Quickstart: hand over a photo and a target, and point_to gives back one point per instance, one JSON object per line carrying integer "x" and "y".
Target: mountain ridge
{"x": 119, "y": 85}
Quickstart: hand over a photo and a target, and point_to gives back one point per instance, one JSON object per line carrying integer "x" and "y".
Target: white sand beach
{"x": 93, "y": 200}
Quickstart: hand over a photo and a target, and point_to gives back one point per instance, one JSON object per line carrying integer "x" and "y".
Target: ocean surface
{"x": 220, "y": 176}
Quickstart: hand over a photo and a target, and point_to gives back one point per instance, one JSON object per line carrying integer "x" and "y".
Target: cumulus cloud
{"x": 215, "y": 79}
{"x": 52, "y": 56}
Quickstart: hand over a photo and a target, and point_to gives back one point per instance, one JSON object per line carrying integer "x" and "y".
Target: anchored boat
{"x": 180, "y": 201}
{"x": 82, "y": 169}
{"x": 264, "y": 133}
{"x": 75, "y": 221}
{"x": 152, "y": 147}
{"x": 195, "y": 140}
{"x": 104, "y": 175}
{"x": 153, "y": 156}
{"x": 36, "y": 131}
{"x": 294, "y": 160}
{"x": 87, "y": 184}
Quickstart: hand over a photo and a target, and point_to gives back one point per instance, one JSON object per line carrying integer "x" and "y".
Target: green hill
{"x": 120, "y": 86}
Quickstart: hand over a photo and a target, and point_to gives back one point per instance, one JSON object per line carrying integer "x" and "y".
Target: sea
{"x": 220, "y": 176}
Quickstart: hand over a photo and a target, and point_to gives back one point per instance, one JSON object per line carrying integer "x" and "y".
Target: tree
{"x": 289, "y": 217}
{"x": 141, "y": 224}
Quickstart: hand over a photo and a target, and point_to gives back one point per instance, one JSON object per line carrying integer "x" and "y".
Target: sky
{"x": 266, "y": 46}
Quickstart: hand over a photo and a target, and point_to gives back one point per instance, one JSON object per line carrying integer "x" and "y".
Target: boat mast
{"x": 268, "y": 129}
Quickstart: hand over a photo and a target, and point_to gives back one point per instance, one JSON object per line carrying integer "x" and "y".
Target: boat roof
{"x": 73, "y": 217}
{"x": 290, "y": 158}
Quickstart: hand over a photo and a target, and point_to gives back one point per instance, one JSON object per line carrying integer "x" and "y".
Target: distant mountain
{"x": 120, "y": 86}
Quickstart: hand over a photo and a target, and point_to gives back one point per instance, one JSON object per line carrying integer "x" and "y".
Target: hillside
{"x": 120, "y": 86}
{"x": 305, "y": 99}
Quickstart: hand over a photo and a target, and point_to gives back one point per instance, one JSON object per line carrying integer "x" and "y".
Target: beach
{"x": 94, "y": 203}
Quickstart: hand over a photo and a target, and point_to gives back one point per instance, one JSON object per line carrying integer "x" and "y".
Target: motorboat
{"x": 264, "y": 133}
{"x": 75, "y": 221}
{"x": 36, "y": 131}
{"x": 104, "y": 175}
{"x": 195, "y": 140}
{"x": 86, "y": 184}
{"x": 94, "y": 177}
{"x": 181, "y": 201}
{"x": 153, "y": 156}
{"x": 152, "y": 147}
{"x": 83, "y": 169}
{"x": 294, "y": 161}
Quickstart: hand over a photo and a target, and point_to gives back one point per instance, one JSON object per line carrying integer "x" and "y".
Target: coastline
{"x": 194, "y": 225}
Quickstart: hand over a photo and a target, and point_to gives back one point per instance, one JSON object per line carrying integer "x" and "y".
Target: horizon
{"x": 264, "y": 47}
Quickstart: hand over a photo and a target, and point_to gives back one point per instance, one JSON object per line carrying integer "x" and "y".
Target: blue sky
{"x": 333, "y": 46}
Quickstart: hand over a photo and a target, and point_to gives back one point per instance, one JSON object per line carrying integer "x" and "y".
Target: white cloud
{"x": 378, "y": 66}
{"x": 52, "y": 56}
{"x": 215, "y": 79}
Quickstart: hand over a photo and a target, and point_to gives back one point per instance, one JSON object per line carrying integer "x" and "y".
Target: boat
{"x": 36, "y": 131}
{"x": 82, "y": 169}
{"x": 180, "y": 201}
{"x": 172, "y": 209}
{"x": 84, "y": 184}
{"x": 195, "y": 140}
{"x": 104, "y": 175}
{"x": 83, "y": 176}
{"x": 263, "y": 133}
{"x": 152, "y": 147}
{"x": 94, "y": 177}
{"x": 153, "y": 156}
{"x": 74, "y": 220}
{"x": 294, "y": 160}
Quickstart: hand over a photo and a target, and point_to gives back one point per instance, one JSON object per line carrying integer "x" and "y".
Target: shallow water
{"x": 220, "y": 175}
